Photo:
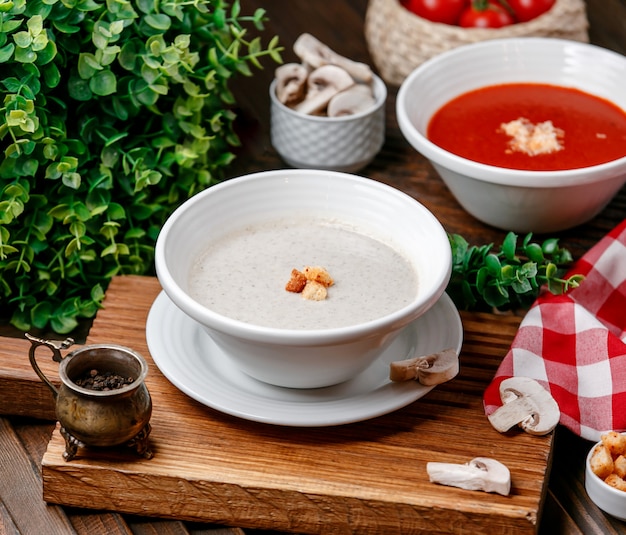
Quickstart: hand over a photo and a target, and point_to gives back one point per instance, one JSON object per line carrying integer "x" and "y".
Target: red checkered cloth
{"x": 575, "y": 344}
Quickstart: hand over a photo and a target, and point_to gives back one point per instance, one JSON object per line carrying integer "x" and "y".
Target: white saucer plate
{"x": 188, "y": 357}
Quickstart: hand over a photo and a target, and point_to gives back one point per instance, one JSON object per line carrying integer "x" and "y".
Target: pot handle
{"x": 56, "y": 356}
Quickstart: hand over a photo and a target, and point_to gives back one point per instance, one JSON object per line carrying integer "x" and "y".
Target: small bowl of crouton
{"x": 327, "y": 112}
{"x": 605, "y": 474}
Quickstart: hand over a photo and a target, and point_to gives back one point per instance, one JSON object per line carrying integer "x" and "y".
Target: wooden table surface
{"x": 340, "y": 25}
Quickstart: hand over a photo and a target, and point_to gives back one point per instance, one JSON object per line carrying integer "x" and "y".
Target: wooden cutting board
{"x": 368, "y": 477}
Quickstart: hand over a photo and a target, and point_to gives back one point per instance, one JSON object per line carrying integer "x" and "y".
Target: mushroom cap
{"x": 315, "y": 54}
{"x": 291, "y": 81}
{"x": 329, "y": 75}
{"x": 443, "y": 366}
{"x": 353, "y": 100}
{"x": 498, "y": 477}
{"x": 430, "y": 370}
{"x": 322, "y": 85}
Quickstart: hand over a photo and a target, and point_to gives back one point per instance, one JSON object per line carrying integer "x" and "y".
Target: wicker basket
{"x": 399, "y": 41}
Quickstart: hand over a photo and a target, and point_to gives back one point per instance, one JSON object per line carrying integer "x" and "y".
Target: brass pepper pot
{"x": 100, "y": 418}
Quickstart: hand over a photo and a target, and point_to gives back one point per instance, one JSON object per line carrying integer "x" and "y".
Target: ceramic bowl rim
{"x": 490, "y": 173}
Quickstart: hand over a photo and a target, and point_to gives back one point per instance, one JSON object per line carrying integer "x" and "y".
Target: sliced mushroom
{"x": 481, "y": 473}
{"x": 429, "y": 370}
{"x": 315, "y": 54}
{"x": 322, "y": 85}
{"x": 291, "y": 83}
{"x": 355, "y": 99}
{"x": 525, "y": 403}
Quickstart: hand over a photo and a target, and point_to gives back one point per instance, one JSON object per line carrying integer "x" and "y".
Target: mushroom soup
{"x": 243, "y": 275}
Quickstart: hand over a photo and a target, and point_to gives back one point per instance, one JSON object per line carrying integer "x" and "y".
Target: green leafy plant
{"x": 112, "y": 114}
{"x": 483, "y": 278}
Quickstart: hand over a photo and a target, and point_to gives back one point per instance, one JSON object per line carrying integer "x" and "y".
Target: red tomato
{"x": 445, "y": 11}
{"x": 526, "y": 10}
{"x": 485, "y": 15}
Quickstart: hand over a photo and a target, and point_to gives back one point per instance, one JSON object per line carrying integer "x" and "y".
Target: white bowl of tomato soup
{"x": 226, "y": 258}
{"x": 529, "y": 134}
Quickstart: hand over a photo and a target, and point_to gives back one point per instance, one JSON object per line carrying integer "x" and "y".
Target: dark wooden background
{"x": 340, "y": 25}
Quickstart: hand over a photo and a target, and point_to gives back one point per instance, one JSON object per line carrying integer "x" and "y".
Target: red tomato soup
{"x": 537, "y": 127}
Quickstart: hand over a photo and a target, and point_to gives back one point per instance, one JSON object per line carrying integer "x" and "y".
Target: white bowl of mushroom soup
{"x": 226, "y": 256}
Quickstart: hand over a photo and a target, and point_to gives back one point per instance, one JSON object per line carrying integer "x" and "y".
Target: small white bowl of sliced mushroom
{"x": 327, "y": 112}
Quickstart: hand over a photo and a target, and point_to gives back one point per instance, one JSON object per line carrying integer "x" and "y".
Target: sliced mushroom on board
{"x": 525, "y": 403}
{"x": 429, "y": 370}
{"x": 481, "y": 473}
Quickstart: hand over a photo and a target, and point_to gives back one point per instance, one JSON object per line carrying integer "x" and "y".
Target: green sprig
{"x": 111, "y": 115}
{"x": 510, "y": 278}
